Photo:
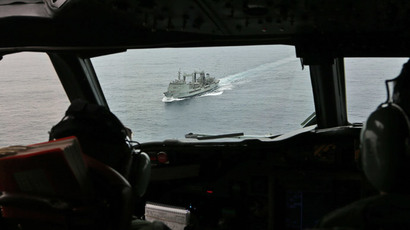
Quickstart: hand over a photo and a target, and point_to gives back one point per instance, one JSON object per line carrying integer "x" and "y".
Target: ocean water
{"x": 248, "y": 99}
{"x": 263, "y": 91}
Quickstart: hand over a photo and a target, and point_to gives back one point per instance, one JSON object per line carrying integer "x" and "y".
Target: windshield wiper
{"x": 205, "y": 137}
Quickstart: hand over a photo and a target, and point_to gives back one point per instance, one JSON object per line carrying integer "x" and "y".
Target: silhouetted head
{"x": 100, "y": 133}
{"x": 401, "y": 94}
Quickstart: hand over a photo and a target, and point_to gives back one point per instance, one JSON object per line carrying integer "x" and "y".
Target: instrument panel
{"x": 278, "y": 184}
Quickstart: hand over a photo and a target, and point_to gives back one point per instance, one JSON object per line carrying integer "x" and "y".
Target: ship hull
{"x": 185, "y": 91}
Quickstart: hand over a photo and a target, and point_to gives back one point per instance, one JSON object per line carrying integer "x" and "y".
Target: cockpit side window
{"x": 32, "y": 98}
{"x": 365, "y": 84}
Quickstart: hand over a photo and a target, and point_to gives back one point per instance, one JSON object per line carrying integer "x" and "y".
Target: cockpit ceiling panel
{"x": 345, "y": 28}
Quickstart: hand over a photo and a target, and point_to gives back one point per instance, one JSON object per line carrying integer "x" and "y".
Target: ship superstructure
{"x": 200, "y": 82}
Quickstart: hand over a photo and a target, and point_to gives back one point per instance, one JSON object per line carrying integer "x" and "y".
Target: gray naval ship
{"x": 200, "y": 83}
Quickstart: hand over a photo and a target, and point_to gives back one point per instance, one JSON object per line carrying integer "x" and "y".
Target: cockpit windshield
{"x": 262, "y": 91}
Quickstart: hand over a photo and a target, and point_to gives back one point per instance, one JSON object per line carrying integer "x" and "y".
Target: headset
{"x": 385, "y": 147}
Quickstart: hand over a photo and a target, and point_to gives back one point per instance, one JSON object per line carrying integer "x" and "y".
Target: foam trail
{"x": 171, "y": 99}
{"x": 246, "y": 76}
{"x": 216, "y": 92}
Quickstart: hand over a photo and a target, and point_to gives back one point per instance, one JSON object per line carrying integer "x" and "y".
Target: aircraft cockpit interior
{"x": 205, "y": 114}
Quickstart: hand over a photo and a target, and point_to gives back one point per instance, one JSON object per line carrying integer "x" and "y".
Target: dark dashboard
{"x": 288, "y": 182}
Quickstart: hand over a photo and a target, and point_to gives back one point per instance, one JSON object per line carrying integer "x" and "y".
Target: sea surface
{"x": 263, "y": 91}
